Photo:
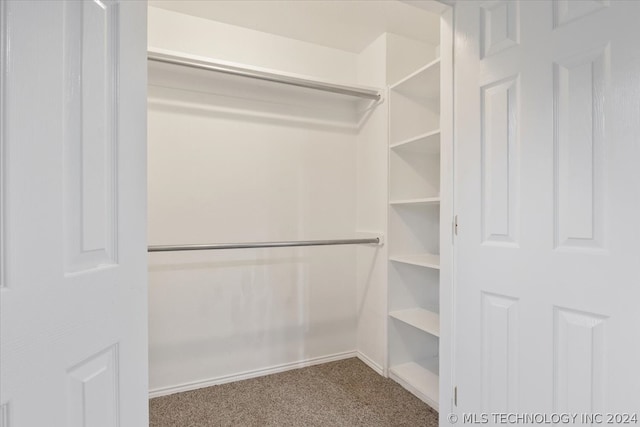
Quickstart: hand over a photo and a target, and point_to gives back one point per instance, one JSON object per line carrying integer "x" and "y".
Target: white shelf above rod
{"x": 264, "y": 75}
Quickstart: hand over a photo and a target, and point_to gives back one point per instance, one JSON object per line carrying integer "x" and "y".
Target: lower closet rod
{"x": 206, "y": 247}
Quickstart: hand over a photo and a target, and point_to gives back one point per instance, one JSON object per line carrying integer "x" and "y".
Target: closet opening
{"x": 298, "y": 189}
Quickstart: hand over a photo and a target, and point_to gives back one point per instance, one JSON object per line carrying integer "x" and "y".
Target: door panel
{"x": 547, "y": 95}
{"x": 90, "y": 72}
{"x": 73, "y": 324}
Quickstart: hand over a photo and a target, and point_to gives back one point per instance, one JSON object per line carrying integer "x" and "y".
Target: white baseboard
{"x": 370, "y": 363}
{"x": 194, "y": 385}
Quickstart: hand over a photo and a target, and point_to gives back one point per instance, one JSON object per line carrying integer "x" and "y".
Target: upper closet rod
{"x": 205, "y": 247}
{"x": 264, "y": 75}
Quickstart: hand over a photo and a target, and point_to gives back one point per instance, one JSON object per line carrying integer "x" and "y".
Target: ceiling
{"x": 341, "y": 24}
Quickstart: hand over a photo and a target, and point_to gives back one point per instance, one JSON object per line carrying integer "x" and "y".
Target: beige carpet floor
{"x": 346, "y": 393}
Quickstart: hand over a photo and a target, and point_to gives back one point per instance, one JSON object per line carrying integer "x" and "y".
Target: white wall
{"x": 229, "y": 168}
{"x": 372, "y": 211}
{"x": 228, "y": 175}
{"x": 197, "y": 36}
{"x": 405, "y": 55}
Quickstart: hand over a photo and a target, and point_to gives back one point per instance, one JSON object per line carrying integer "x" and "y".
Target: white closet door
{"x": 74, "y": 283}
{"x": 547, "y": 124}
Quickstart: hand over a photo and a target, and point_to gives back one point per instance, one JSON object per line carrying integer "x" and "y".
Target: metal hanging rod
{"x": 206, "y": 247}
{"x": 264, "y": 75}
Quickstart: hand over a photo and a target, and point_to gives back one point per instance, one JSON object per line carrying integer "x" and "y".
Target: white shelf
{"x": 178, "y": 80}
{"x": 418, "y": 201}
{"x": 423, "y": 84}
{"x": 423, "y": 260}
{"x": 420, "y": 318}
{"x": 419, "y": 378}
{"x": 211, "y": 66}
{"x": 427, "y": 143}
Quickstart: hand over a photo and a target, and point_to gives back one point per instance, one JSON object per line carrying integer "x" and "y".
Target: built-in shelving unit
{"x": 414, "y": 232}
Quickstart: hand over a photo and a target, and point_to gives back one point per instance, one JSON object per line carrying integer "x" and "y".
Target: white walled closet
{"x": 546, "y": 104}
{"x": 233, "y": 159}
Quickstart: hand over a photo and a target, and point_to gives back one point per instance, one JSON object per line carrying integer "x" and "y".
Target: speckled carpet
{"x": 346, "y": 393}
